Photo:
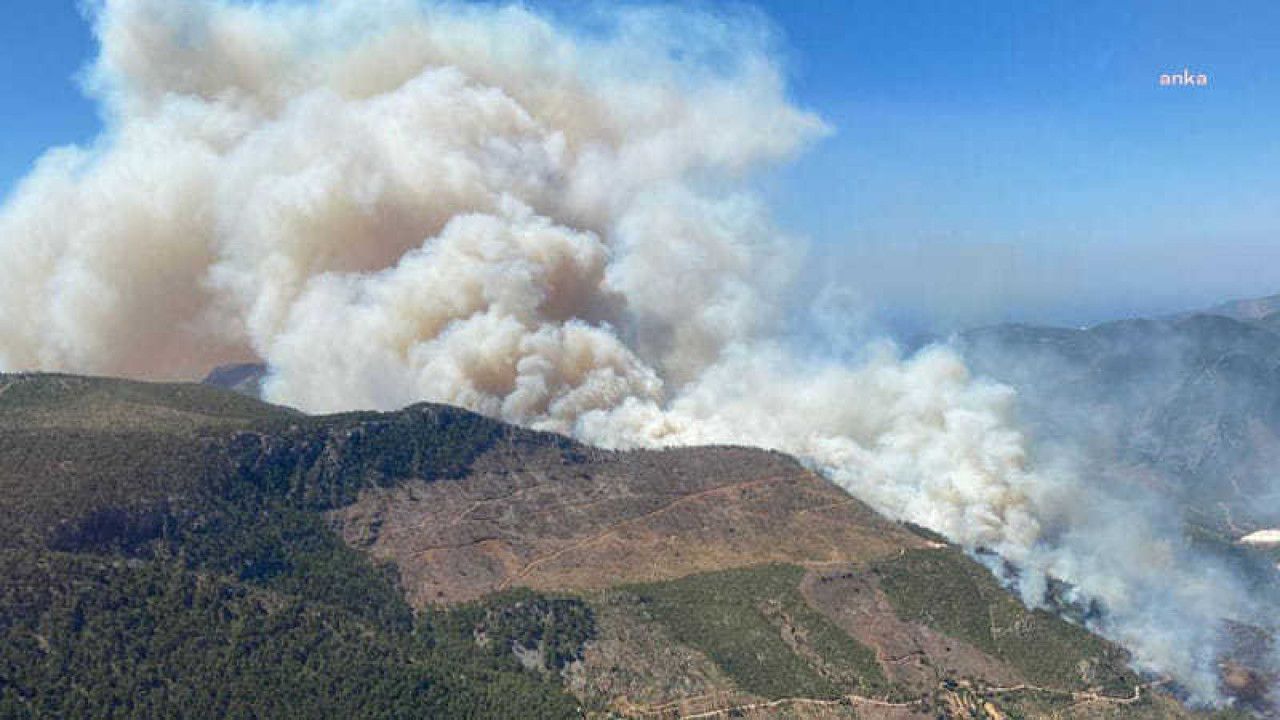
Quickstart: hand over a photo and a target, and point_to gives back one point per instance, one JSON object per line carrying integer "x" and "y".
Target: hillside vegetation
{"x": 174, "y": 561}
{"x": 180, "y": 551}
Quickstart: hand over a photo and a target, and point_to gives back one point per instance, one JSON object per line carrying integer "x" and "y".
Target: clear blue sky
{"x": 992, "y": 160}
{"x": 42, "y": 46}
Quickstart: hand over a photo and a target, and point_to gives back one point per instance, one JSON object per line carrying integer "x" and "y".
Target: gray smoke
{"x": 388, "y": 201}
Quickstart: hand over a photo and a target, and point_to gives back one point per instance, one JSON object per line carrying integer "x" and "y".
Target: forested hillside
{"x": 183, "y": 551}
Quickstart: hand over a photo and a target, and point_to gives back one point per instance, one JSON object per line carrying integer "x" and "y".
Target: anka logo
{"x": 1184, "y": 78}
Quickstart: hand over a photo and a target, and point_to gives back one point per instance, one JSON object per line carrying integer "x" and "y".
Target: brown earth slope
{"x": 537, "y": 521}
{"x": 648, "y": 536}
{"x": 698, "y": 582}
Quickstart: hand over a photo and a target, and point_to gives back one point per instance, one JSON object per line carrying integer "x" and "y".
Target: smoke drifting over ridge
{"x": 390, "y": 202}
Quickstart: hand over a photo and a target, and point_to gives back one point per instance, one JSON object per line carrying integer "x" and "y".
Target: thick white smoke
{"x": 389, "y": 202}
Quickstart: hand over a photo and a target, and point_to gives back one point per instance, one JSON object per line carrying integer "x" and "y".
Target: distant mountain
{"x": 1247, "y": 310}
{"x": 184, "y": 551}
{"x": 1188, "y": 405}
{"x": 244, "y": 378}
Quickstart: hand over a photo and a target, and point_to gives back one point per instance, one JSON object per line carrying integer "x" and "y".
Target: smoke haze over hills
{"x": 388, "y": 202}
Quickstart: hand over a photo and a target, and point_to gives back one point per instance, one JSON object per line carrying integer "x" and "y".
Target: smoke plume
{"x": 388, "y": 201}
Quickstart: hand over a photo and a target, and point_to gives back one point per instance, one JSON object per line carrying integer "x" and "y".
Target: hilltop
{"x": 181, "y": 550}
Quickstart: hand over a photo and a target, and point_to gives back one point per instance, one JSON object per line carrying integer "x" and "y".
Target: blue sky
{"x": 42, "y": 46}
{"x": 992, "y": 160}
{"x": 1020, "y": 161}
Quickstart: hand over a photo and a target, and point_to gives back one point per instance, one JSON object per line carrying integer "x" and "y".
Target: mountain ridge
{"x": 730, "y": 555}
